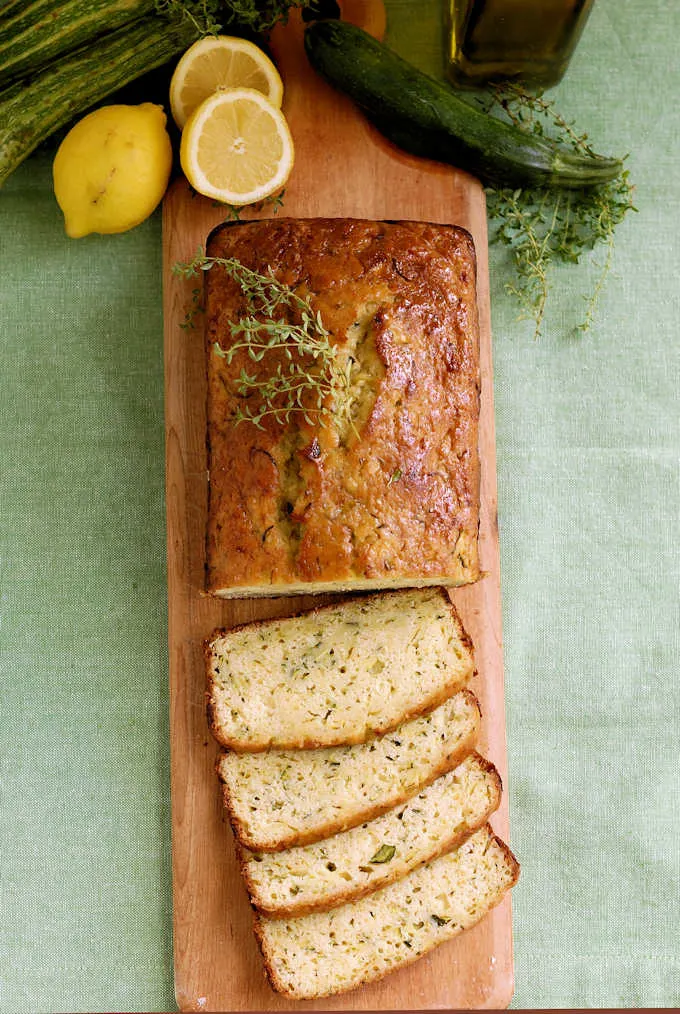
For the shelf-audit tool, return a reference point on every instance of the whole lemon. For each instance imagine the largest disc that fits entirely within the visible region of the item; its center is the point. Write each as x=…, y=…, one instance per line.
x=112, y=169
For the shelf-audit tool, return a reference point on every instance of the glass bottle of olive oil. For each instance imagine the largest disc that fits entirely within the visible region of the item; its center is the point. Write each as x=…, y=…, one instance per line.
x=531, y=40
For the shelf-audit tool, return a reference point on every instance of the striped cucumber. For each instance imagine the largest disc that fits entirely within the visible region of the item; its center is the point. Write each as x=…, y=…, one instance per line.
x=30, y=112
x=34, y=33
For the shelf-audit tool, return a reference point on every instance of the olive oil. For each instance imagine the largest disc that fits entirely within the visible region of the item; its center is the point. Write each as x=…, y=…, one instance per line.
x=530, y=40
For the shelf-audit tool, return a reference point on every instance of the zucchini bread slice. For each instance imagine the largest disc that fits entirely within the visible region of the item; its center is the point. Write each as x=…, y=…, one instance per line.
x=330, y=952
x=336, y=675
x=283, y=798
x=365, y=858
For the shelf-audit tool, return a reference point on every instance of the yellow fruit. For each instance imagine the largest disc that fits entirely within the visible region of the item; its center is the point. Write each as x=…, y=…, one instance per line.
x=112, y=169
x=218, y=62
x=236, y=147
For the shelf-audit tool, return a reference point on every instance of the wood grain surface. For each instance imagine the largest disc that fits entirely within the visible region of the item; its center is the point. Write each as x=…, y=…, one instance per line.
x=343, y=169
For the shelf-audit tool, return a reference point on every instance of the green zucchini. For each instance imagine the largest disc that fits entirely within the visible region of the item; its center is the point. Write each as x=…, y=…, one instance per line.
x=425, y=117
x=30, y=113
x=33, y=33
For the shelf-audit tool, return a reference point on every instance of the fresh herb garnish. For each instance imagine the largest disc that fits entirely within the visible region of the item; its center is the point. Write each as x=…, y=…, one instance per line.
x=260, y=15
x=209, y=17
x=202, y=14
x=234, y=211
x=544, y=227
x=308, y=377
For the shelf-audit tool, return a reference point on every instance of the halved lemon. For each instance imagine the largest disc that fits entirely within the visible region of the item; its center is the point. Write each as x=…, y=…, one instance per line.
x=218, y=62
x=236, y=147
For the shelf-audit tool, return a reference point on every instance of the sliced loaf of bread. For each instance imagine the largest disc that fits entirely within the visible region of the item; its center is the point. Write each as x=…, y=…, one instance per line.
x=336, y=675
x=283, y=798
x=330, y=952
x=356, y=862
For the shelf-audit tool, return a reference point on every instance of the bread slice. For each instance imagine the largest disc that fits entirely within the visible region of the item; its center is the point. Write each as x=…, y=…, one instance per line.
x=330, y=952
x=281, y=798
x=356, y=862
x=336, y=675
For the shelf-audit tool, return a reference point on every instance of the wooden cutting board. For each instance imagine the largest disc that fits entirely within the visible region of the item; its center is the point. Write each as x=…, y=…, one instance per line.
x=343, y=169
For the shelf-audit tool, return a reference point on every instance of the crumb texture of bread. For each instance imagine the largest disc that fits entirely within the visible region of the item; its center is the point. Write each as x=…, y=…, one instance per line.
x=386, y=498
x=365, y=858
x=282, y=798
x=336, y=675
x=331, y=952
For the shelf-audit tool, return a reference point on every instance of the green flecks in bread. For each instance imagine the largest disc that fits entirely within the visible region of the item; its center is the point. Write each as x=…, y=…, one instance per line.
x=281, y=798
x=336, y=675
x=330, y=952
x=366, y=857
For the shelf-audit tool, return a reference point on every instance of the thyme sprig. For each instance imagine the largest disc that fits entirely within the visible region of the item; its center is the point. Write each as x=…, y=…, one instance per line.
x=209, y=17
x=261, y=15
x=301, y=370
x=542, y=228
x=274, y=201
x=202, y=15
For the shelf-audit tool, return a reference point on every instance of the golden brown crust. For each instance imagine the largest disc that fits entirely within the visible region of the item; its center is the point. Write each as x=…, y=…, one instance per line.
x=308, y=506
x=280, y=987
x=511, y=860
x=340, y=897
x=453, y=759
x=442, y=694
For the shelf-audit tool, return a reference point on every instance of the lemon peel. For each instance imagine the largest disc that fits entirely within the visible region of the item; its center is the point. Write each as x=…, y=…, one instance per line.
x=237, y=147
x=219, y=62
x=112, y=169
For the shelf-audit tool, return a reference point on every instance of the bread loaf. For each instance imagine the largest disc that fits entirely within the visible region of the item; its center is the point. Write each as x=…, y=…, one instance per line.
x=336, y=675
x=323, y=953
x=388, y=497
x=365, y=858
x=282, y=798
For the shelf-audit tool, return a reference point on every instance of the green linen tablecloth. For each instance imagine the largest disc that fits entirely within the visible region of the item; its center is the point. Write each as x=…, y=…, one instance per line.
x=588, y=445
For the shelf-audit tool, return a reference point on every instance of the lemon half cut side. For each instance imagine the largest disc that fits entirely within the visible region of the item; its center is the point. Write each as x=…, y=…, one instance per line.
x=219, y=62
x=236, y=147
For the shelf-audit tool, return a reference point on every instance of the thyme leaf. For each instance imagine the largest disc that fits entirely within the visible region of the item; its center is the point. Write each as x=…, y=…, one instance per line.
x=296, y=369
x=201, y=15
x=234, y=211
x=542, y=227
x=209, y=17
x=260, y=15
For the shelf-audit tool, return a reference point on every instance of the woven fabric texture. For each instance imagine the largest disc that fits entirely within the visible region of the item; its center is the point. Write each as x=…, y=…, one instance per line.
x=588, y=445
